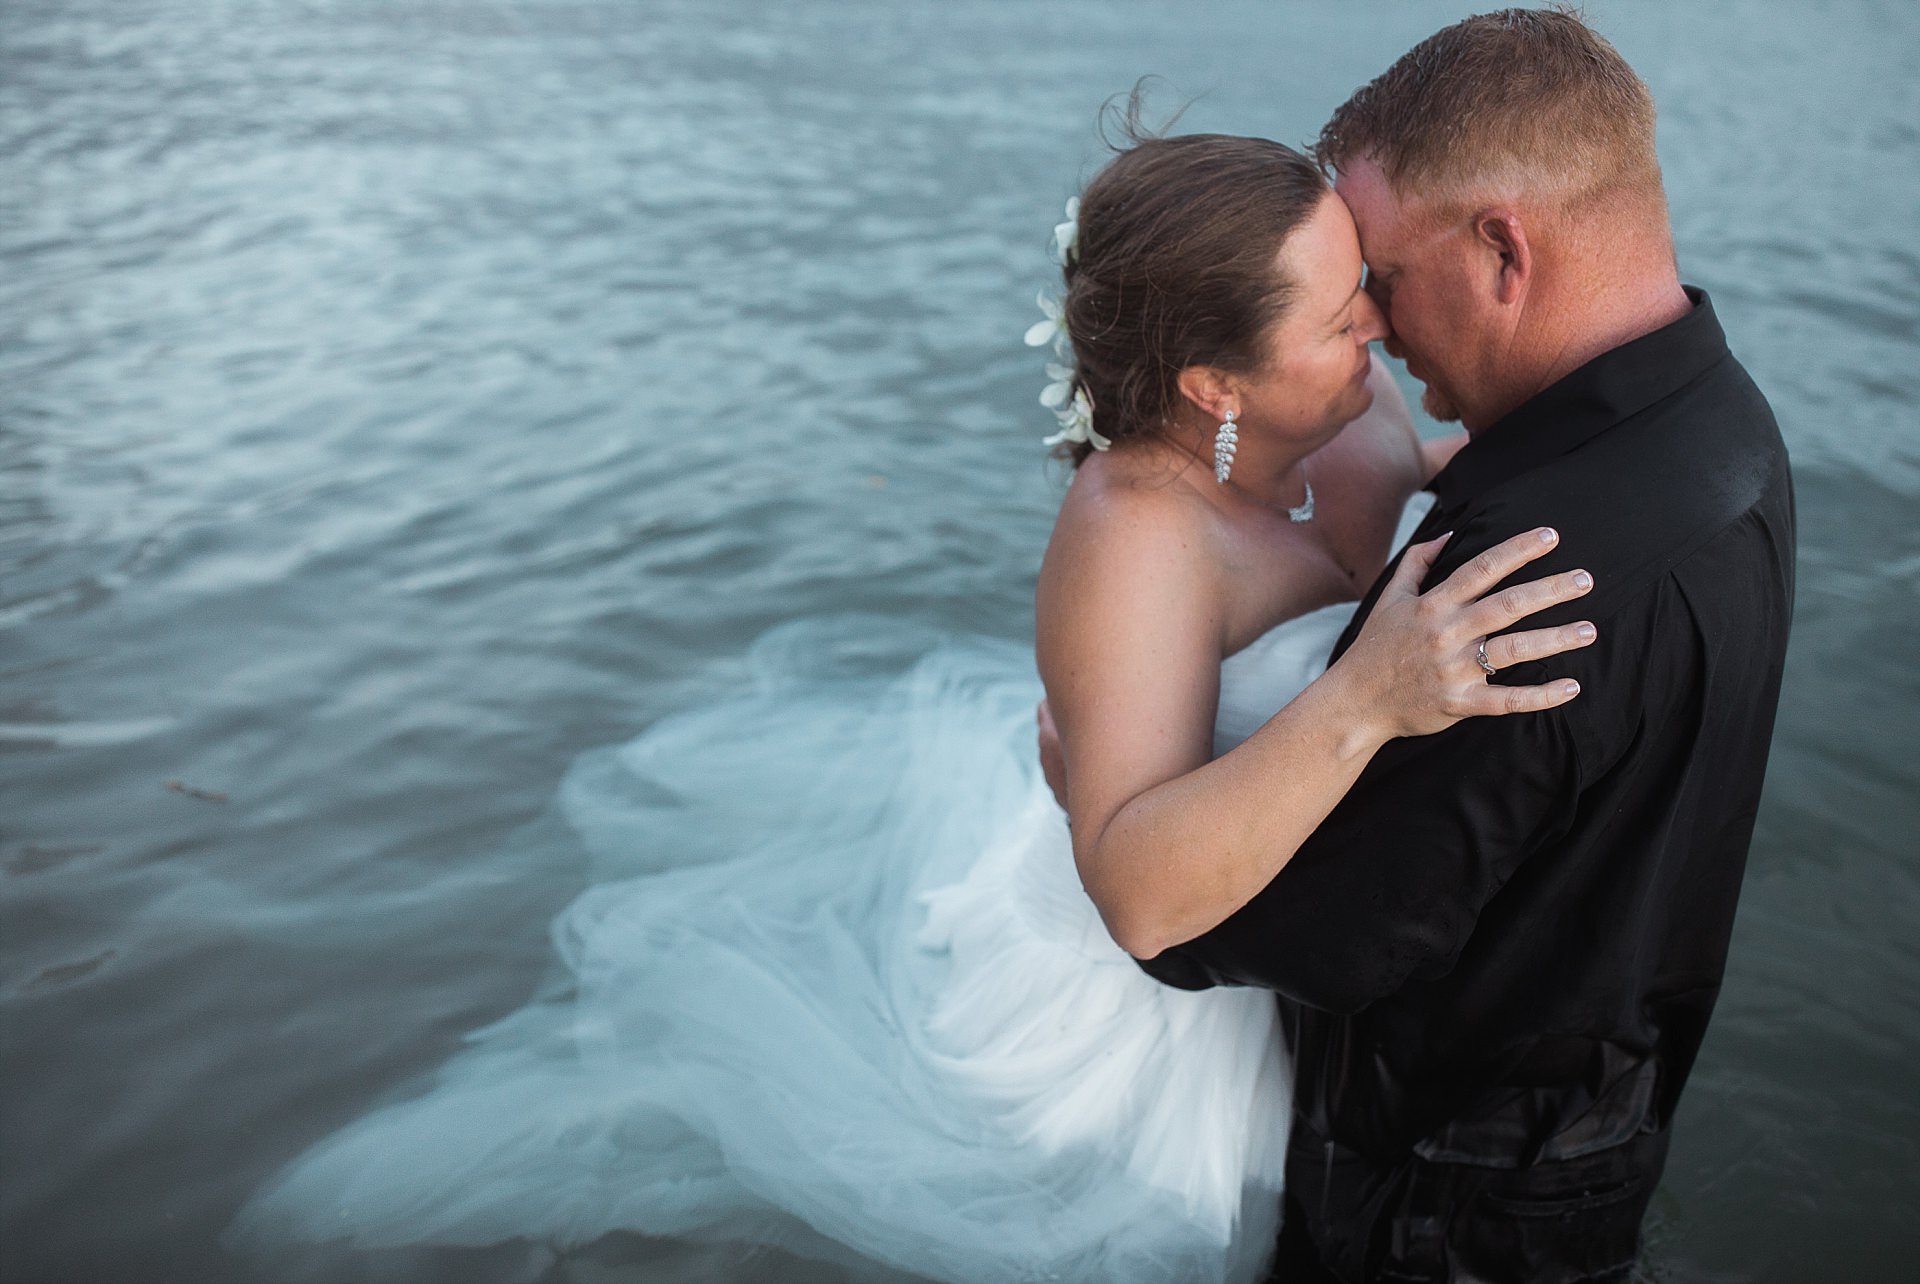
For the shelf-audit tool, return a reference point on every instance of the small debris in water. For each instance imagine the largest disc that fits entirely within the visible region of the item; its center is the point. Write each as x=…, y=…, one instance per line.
x=192, y=791
x=33, y=859
x=62, y=973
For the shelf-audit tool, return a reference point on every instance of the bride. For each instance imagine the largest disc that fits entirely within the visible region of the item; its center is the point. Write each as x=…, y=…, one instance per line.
x=847, y=982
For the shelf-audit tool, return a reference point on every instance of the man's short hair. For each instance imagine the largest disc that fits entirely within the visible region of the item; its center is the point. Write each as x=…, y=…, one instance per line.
x=1518, y=102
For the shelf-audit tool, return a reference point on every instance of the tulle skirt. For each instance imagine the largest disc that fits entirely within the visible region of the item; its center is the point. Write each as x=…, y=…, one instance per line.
x=836, y=988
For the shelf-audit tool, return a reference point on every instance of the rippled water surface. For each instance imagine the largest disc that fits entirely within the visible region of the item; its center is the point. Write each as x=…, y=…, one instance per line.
x=398, y=400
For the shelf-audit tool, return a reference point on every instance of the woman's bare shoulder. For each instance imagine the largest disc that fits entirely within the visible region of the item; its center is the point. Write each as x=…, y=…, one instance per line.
x=1131, y=532
x=1130, y=497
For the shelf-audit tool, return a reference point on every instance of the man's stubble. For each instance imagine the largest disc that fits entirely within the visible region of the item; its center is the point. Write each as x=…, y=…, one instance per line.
x=1435, y=403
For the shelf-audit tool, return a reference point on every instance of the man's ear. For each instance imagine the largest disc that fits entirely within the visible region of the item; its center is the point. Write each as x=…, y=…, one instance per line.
x=1208, y=390
x=1500, y=232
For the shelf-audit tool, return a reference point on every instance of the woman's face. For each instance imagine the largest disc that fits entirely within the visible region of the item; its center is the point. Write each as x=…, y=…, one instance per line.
x=1314, y=381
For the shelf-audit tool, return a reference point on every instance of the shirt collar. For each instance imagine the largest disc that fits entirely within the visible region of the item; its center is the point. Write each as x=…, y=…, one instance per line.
x=1612, y=387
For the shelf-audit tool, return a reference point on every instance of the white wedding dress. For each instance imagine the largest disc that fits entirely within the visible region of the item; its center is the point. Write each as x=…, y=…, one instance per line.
x=837, y=988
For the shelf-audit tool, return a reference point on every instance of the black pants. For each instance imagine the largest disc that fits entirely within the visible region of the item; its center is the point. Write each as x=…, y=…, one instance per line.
x=1297, y=1259
x=1575, y=1221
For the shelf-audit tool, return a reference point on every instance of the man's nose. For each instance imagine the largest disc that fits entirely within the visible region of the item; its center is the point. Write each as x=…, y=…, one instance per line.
x=1375, y=288
x=1372, y=321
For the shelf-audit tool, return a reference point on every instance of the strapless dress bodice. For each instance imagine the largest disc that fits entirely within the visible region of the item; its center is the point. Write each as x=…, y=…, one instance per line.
x=1261, y=677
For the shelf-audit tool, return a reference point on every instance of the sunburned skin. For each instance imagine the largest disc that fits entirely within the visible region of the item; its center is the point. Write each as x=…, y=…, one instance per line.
x=1273, y=568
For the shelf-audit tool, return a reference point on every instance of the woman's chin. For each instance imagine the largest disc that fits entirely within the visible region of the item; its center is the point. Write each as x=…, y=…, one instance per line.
x=1361, y=402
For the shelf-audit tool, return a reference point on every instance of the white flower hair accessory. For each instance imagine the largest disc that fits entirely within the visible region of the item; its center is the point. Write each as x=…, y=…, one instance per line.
x=1070, y=405
x=1066, y=236
x=1051, y=328
x=1076, y=423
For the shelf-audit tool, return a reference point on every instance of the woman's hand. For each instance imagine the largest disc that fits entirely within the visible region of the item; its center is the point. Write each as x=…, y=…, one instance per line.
x=1415, y=667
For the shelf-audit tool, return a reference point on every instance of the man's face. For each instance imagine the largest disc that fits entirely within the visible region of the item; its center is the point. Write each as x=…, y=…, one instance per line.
x=1420, y=275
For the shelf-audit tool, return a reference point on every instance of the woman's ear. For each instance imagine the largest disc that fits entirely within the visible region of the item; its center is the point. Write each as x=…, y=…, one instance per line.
x=1209, y=391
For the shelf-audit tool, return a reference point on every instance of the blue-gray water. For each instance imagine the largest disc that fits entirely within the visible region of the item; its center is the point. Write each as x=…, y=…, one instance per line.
x=399, y=399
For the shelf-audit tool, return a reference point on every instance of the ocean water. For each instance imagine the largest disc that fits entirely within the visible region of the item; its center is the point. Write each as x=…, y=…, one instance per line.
x=398, y=401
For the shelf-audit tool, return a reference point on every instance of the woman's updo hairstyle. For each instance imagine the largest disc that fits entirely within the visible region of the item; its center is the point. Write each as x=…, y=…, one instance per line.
x=1175, y=267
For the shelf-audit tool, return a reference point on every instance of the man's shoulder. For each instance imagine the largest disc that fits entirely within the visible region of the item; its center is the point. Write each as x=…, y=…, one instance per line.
x=1684, y=516
x=1637, y=500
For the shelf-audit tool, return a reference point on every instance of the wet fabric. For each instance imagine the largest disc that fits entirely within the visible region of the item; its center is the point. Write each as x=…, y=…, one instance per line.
x=1502, y=948
x=836, y=987
x=1422, y=1220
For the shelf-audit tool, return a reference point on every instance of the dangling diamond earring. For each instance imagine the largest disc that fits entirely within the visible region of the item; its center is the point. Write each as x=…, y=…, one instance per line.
x=1226, y=443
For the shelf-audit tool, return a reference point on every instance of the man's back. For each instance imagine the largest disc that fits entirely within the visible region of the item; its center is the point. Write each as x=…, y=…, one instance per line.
x=1498, y=955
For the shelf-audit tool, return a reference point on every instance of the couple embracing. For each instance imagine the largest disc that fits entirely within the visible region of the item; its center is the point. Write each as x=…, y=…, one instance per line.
x=1486, y=858
x=1495, y=940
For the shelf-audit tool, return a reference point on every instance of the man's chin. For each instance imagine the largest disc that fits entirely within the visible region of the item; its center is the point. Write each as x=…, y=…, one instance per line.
x=1435, y=403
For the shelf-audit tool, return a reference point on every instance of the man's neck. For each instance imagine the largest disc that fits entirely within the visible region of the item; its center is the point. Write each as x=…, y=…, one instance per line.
x=1600, y=321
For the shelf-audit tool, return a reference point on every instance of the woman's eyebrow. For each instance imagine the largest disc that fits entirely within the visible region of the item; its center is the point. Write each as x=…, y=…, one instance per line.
x=1357, y=287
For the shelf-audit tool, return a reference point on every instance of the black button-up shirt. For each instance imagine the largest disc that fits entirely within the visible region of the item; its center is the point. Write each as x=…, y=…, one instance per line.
x=1502, y=947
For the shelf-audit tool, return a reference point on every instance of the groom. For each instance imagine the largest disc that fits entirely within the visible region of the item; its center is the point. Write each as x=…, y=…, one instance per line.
x=1496, y=958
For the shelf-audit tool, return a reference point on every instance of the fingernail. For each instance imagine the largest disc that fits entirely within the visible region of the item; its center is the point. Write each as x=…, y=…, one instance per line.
x=1569, y=689
x=1585, y=632
x=1548, y=535
x=1582, y=581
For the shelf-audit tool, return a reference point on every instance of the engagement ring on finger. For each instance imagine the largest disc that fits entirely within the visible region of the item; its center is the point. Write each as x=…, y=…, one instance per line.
x=1480, y=654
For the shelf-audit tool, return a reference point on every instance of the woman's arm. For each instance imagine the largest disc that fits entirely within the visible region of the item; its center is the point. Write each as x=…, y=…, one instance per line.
x=1389, y=411
x=1131, y=635
x=1131, y=625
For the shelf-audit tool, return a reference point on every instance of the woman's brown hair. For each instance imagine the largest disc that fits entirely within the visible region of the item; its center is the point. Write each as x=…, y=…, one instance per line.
x=1177, y=266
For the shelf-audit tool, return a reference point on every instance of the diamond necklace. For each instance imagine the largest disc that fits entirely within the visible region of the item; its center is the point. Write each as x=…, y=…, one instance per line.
x=1303, y=513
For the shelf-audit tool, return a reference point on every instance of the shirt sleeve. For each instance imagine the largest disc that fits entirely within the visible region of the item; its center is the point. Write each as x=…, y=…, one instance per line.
x=1391, y=884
